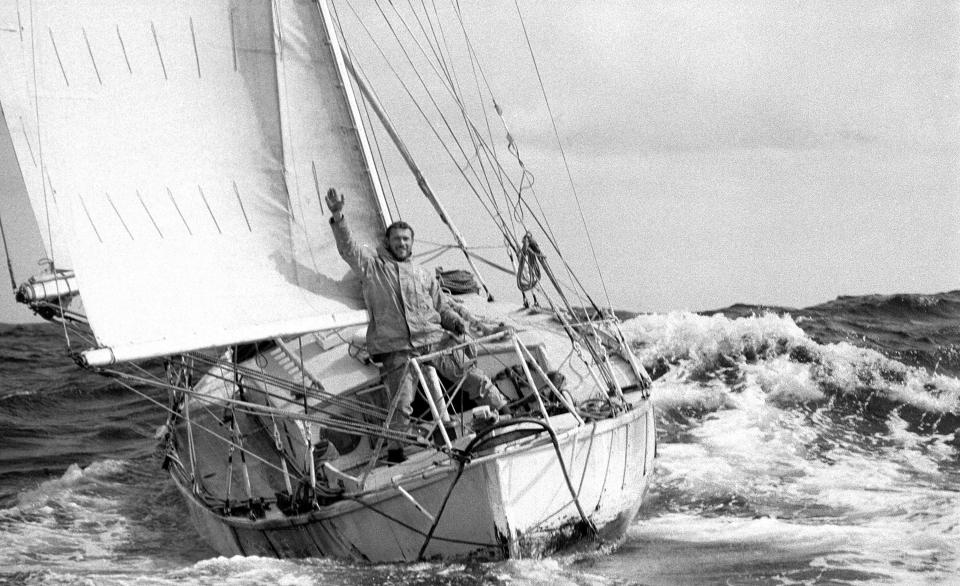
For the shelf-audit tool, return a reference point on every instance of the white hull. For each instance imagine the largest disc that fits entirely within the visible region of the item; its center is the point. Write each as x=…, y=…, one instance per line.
x=513, y=502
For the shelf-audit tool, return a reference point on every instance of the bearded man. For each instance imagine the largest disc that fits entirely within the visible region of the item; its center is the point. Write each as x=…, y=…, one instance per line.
x=409, y=316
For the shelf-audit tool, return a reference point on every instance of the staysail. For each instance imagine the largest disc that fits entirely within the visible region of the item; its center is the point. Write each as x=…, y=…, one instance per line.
x=181, y=153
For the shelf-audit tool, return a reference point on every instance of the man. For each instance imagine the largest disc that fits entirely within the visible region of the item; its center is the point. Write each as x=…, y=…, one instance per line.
x=408, y=316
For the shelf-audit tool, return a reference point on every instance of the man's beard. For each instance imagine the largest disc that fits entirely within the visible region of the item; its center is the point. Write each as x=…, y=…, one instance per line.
x=399, y=257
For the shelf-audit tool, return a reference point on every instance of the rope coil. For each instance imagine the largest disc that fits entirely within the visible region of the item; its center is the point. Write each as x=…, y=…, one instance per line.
x=528, y=271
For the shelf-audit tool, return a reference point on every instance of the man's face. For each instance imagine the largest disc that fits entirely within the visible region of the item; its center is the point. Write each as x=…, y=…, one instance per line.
x=400, y=243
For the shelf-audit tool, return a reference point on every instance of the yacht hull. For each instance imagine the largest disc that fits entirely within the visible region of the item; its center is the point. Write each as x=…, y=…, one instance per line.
x=513, y=501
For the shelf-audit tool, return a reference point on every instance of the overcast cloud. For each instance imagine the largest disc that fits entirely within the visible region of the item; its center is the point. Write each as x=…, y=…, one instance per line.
x=776, y=152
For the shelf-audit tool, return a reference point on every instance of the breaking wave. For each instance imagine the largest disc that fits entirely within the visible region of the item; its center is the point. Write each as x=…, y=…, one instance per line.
x=790, y=367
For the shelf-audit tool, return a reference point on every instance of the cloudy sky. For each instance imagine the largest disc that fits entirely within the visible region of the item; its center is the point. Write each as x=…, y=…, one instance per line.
x=779, y=152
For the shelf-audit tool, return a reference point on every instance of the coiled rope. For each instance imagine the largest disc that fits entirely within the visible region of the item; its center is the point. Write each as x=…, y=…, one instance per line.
x=528, y=271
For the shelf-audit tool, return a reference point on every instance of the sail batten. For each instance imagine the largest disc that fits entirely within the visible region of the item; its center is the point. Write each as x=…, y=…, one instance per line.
x=180, y=151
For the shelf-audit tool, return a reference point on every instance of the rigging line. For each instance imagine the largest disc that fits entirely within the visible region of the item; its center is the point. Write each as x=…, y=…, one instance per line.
x=6, y=252
x=525, y=173
x=544, y=225
x=441, y=38
x=369, y=125
x=448, y=79
x=44, y=177
x=477, y=66
x=483, y=168
x=431, y=37
x=413, y=66
x=458, y=95
x=353, y=424
x=563, y=155
x=36, y=105
x=432, y=249
x=601, y=364
x=292, y=387
x=488, y=153
x=324, y=397
x=500, y=226
x=556, y=249
x=511, y=237
x=451, y=84
x=493, y=264
x=343, y=423
x=474, y=66
x=383, y=164
x=428, y=259
x=257, y=409
x=170, y=411
x=472, y=130
x=440, y=250
x=430, y=95
x=518, y=189
x=491, y=247
x=452, y=81
x=339, y=424
x=566, y=265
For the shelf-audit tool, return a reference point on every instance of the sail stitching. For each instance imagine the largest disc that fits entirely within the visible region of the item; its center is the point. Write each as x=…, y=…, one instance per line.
x=89, y=218
x=207, y=204
x=116, y=211
x=57, y=52
x=90, y=52
x=149, y=215
x=196, y=53
x=243, y=210
x=174, y=201
x=156, y=42
x=123, y=48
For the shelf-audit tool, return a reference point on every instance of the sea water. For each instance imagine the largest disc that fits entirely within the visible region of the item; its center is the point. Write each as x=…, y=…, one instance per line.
x=795, y=447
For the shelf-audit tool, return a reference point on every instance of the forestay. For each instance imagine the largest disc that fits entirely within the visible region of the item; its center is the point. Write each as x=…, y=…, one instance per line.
x=183, y=149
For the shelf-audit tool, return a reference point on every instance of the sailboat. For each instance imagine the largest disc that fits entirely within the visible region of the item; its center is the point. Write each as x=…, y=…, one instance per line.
x=175, y=155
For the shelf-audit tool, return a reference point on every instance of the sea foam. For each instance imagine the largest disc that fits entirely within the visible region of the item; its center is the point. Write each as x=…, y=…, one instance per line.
x=789, y=365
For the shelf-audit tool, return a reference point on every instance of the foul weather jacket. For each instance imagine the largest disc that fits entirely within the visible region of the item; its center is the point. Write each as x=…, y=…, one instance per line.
x=407, y=308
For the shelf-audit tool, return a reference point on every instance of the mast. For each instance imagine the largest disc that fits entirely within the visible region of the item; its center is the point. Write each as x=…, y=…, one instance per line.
x=415, y=169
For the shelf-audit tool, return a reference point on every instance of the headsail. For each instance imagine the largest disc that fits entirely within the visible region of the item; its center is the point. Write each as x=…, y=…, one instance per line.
x=185, y=151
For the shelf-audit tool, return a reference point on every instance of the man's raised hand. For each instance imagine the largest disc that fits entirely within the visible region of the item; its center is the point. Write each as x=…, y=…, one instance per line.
x=335, y=203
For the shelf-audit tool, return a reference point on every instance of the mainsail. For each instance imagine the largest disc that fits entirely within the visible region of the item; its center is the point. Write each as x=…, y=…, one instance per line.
x=181, y=154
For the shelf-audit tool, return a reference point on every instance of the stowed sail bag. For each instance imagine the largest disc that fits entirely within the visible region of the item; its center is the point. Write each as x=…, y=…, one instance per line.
x=457, y=281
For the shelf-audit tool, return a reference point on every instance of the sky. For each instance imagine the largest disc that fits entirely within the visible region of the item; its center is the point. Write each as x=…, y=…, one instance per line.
x=779, y=153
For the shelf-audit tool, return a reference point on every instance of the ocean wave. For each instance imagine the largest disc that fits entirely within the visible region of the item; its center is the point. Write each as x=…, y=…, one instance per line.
x=74, y=476
x=897, y=306
x=731, y=550
x=791, y=368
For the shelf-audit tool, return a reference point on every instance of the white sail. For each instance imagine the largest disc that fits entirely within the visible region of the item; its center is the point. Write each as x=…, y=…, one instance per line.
x=186, y=148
